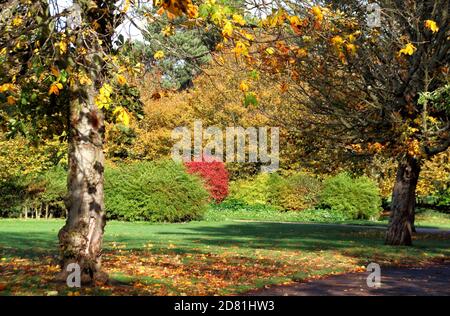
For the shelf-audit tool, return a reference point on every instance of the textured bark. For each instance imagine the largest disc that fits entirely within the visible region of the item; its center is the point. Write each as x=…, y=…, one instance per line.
x=81, y=237
x=401, y=222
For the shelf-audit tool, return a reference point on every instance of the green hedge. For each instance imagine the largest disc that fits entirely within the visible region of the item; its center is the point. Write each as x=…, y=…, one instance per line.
x=154, y=191
x=295, y=192
x=147, y=191
x=355, y=198
x=341, y=196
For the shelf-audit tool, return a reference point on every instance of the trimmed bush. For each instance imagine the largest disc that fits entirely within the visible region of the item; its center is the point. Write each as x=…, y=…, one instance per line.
x=214, y=175
x=355, y=198
x=296, y=192
x=154, y=191
x=260, y=190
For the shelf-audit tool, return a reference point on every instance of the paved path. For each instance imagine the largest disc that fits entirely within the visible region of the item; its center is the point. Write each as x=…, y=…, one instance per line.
x=432, y=280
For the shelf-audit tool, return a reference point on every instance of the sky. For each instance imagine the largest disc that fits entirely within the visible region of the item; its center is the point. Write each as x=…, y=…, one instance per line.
x=127, y=29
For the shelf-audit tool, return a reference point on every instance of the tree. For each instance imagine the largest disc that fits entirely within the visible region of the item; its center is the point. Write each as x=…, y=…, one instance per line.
x=364, y=86
x=189, y=50
x=64, y=86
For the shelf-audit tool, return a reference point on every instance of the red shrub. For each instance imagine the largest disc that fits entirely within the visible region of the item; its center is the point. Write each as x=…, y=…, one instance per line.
x=215, y=177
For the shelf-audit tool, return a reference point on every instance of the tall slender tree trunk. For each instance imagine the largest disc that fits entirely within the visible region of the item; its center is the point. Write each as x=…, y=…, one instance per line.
x=81, y=237
x=403, y=205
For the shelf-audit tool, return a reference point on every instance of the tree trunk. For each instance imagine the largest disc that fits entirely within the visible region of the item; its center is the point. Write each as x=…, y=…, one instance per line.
x=401, y=222
x=81, y=237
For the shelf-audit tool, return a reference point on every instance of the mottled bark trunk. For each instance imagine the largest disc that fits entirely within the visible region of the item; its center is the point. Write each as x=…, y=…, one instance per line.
x=81, y=237
x=403, y=205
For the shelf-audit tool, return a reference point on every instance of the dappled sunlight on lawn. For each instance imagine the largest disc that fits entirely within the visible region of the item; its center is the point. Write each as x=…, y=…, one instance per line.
x=204, y=258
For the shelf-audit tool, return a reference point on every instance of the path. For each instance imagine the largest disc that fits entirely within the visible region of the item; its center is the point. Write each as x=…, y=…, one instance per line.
x=432, y=280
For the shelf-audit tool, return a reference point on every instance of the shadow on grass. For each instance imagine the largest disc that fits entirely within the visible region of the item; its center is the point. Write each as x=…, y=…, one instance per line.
x=27, y=245
x=360, y=242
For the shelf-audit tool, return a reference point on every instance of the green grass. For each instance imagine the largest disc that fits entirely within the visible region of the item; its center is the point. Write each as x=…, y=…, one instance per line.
x=205, y=257
x=424, y=218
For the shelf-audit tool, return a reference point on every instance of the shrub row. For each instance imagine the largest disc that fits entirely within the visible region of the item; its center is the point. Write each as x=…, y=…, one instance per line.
x=154, y=191
x=149, y=191
x=352, y=198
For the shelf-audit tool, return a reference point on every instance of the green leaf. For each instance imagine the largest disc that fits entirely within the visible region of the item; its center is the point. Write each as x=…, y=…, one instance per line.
x=250, y=99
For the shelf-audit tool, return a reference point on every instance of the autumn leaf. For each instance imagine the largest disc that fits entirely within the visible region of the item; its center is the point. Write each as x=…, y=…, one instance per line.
x=337, y=41
x=227, y=30
x=168, y=30
x=11, y=100
x=62, y=46
x=17, y=21
x=431, y=25
x=84, y=79
x=238, y=19
x=317, y=13
x=244, y=86
x=241, y=48
x=122, y=116
x=351, y=49
x=103, y=99
x=121, y=80
x=270, y=50
x=159, y=55
x=409, y=49
x=301, y=52
x=54, y=88
x=7, y=87
x=55, y=71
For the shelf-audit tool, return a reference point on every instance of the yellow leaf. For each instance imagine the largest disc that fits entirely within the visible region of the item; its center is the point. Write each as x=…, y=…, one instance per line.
x=244, y=86
x=121, y=80
x=159, y=54
x=54, y=88
x=270, y=50
x=238, y=19
x=192, y=11
x=337, y=41
x=409, y=49
x=432, y=26
x=7, y=87
x=227, y=30
x=126, y=6
x=317, y=13
x=241, y=48
x=103, y=99
x=294, y=20
x=168, y=30
x=17, y=21
x=84, y=79
x=301, y=52
x=351, y=49
x=122, y=116
x=62, y=45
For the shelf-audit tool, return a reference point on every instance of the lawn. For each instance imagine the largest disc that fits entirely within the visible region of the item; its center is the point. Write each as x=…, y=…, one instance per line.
x=203, y=258
x=424, y=217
